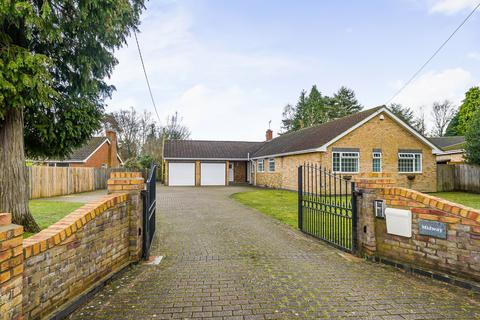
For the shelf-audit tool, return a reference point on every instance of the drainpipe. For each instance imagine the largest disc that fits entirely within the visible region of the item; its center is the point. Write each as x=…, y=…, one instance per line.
x=248, y=164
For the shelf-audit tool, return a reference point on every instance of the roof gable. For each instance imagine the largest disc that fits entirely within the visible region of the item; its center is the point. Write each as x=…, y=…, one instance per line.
x=311, y=138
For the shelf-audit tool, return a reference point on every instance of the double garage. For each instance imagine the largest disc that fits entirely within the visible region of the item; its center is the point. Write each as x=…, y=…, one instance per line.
x=185, y=173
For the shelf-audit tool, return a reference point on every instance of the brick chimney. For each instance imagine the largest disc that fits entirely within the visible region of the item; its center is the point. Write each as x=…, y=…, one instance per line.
x=112, y=151
x=269, y=135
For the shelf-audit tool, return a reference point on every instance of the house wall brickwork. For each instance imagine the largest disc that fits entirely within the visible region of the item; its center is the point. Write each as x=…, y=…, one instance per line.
x=43, y=274
x=286, y=174
x=389, y=136
x=457, y=255
x=102, y=157
x=385, y=134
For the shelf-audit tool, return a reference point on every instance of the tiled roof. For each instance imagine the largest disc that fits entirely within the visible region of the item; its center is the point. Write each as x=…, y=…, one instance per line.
x=312, y=137
x=202, y=149
x=446, y=142
x=83, y=152
x=302, y=140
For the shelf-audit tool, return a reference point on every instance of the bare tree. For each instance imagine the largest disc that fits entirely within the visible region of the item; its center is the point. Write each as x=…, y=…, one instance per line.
x=127, y=124
x=175, y=130
x=442, y=114
x=419, y=123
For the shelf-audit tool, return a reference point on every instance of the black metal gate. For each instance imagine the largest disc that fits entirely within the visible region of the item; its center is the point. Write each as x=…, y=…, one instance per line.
x=327, y=206
x=149, y=206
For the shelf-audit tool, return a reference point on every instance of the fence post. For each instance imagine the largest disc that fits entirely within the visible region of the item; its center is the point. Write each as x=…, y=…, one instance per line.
x=354, y=217
x=300, y=197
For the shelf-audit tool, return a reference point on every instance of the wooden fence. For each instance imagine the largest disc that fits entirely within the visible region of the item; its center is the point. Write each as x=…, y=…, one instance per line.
x=458, y=177
x=57, y=181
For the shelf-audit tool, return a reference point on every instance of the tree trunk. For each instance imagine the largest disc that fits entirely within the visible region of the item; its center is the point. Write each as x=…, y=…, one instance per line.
x=13, y=173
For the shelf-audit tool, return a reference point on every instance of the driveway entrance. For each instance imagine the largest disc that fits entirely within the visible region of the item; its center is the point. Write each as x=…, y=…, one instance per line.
x=226, y=261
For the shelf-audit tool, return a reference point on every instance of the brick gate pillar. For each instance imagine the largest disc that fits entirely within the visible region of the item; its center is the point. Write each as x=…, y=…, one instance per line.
x=133, y=184
x=369, y=185
x=11, y=268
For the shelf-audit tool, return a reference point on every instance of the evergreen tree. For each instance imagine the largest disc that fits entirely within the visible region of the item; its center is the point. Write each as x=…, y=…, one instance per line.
x=452, y=128
x=344, y=103
x=472, y=138
x=288, y=116
x=468, y=109
x=404, y=113
x=54, y=58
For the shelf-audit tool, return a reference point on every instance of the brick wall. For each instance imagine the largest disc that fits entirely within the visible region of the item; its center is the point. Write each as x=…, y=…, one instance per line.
x=11, y=268
x=457, y=255
x=102, y=157
x=286, y=174
x=71, y=256
x=388, y=136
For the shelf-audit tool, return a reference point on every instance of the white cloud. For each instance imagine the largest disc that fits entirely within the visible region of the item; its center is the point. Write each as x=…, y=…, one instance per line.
x=217, y=90
x=221, y=113
x=448, y=84
x=474, y=55
x=451, y=6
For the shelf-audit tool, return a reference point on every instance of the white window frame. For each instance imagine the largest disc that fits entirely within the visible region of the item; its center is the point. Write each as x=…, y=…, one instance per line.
x=270, y=161
x=377, y=155
x=261, y=161
x=411, y=155
x=341, y=154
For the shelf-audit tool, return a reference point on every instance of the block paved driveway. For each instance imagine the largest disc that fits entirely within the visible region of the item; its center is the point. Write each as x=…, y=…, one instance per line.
x=226, y=261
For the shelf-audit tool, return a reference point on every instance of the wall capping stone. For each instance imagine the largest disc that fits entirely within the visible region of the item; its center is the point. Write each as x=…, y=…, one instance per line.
x=453, y=256
x=455, y=209
x=70, y=224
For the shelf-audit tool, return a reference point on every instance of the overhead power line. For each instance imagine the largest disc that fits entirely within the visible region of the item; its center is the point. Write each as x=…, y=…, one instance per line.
x=146, y=76
x=434, y=54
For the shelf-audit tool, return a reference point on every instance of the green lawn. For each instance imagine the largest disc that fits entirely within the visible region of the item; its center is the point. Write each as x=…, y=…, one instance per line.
x=465, y=198
x=47, y=213
x=320, y=220
x=279, y=204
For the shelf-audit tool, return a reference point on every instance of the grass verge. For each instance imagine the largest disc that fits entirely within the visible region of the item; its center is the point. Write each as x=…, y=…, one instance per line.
x=279, y=204
x=467, y=199
x=47, y=213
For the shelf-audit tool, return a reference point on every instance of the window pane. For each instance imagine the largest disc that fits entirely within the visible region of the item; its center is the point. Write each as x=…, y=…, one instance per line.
x=336, y=161
x=377, y=165
x=405, y=163
x=418, y=162
x=349, y=164
x=271, y=165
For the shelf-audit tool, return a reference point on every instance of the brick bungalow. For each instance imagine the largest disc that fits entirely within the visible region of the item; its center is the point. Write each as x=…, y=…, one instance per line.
x=374, y=140
x=98, y=152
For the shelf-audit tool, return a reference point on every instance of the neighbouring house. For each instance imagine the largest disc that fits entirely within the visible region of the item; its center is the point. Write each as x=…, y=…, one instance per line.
x=453, y=149
x=98, y=152
x=374, y=140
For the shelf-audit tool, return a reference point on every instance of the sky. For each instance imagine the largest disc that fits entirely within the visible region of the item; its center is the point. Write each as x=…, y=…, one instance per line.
x=229, y=67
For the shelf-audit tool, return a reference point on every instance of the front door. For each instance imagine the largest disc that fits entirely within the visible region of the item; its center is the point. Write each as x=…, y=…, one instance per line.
x=230, y=172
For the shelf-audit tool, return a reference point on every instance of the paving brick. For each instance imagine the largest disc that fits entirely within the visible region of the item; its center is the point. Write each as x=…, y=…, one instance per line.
x=223, y=260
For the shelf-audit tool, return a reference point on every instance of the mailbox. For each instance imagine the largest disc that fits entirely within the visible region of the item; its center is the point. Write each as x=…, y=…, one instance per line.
x=399, y=222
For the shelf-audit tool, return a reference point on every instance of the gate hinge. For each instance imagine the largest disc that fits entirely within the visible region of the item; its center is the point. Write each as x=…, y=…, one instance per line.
x=358, y=193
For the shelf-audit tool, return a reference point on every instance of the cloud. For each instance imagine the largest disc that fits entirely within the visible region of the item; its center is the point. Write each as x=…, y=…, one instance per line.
x=216, y=89
x=450, y=7
x=433, y=86
x=220, y=112
x=474, y=55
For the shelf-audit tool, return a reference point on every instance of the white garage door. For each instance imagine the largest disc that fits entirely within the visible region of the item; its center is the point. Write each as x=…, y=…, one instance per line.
x=212, y=174
x=181, y=174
